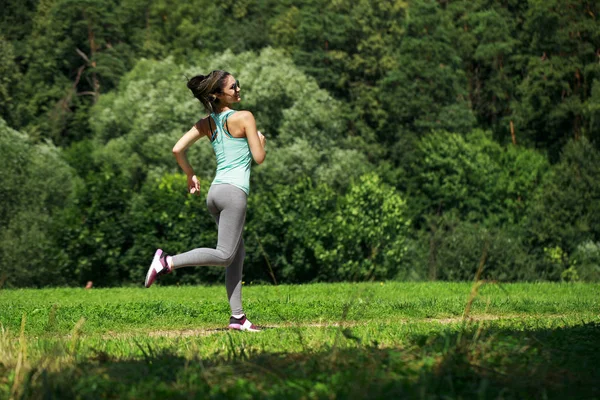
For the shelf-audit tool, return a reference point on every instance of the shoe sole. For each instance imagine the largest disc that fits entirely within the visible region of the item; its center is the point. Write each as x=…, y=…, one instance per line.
x=238, y=327
x=150, y=277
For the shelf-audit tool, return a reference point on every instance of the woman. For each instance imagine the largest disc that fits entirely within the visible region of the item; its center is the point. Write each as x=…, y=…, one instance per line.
x=235, y=141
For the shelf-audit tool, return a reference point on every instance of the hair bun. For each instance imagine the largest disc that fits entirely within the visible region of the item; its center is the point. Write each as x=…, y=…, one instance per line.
x=205, y=88
x=194, y=81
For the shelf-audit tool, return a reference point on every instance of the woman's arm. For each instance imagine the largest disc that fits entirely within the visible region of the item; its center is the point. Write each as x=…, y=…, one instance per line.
x=180, y=148
x=256, y=141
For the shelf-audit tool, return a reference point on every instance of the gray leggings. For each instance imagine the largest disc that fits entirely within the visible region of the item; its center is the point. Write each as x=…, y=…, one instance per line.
x=227, y=204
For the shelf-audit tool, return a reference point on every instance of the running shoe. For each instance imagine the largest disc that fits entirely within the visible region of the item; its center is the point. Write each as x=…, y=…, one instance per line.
x=158, y=267
x=242, y=324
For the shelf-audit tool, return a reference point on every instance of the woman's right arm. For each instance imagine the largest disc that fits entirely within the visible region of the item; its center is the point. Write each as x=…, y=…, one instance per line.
x=256, y=141
x=179, y=151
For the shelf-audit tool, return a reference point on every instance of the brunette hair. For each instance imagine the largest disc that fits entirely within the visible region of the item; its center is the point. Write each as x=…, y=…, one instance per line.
x=204, y=88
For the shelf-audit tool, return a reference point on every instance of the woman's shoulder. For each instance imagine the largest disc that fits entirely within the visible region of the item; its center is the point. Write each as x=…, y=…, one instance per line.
x=242, y=115
x=204, y=125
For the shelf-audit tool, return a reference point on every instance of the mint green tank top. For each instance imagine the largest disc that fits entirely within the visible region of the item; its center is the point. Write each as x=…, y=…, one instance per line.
x=233, y=154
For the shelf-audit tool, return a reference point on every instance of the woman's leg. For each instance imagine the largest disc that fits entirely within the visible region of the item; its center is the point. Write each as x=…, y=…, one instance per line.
x=233, y=280
x=228, y=204
x=233, y=277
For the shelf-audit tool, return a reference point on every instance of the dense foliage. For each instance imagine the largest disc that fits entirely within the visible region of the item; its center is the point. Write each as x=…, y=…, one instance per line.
x=406, y=139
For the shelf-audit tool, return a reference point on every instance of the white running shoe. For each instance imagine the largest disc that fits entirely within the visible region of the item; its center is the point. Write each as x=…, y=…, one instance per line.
x=158, y=267
x=242, y=324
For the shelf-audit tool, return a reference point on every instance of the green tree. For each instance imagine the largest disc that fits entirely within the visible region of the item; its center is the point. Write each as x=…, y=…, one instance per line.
x=89, y=55
x=472, y=176
x=96, y=230
x=348, y=46
x=560, y=66
x=367, y=233
x=36, y=185
x=468, y=195
x=9, y=79
x=427, y=89
x=591, y=113
x=17, y=18
x=484, y=36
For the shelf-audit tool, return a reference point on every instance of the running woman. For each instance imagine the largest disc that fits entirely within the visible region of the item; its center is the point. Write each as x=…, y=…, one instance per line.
x=236, y=141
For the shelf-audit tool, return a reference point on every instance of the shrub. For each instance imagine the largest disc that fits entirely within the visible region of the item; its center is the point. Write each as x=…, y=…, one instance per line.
x=565, y=211
x=310, y=234
x=586, y=260
x=452, y=249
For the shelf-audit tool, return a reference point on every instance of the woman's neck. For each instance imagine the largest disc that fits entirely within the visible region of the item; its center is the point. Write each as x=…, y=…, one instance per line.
x=219, y=110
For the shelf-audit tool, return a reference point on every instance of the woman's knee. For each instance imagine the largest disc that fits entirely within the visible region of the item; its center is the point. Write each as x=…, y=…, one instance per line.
x=228, y=254
x=228, y=258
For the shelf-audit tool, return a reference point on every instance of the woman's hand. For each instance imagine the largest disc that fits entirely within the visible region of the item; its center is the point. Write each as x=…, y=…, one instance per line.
x=193, y=184
x=262, y=138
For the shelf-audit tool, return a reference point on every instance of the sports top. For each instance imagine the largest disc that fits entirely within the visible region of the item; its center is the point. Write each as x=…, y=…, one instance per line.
x=233, y=154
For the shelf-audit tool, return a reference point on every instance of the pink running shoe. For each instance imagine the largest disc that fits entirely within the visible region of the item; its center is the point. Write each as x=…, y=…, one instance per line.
x=242, y=324
x=158, y=267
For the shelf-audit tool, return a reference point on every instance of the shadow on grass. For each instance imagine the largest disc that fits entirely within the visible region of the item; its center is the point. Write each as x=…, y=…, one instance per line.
x=483, y=363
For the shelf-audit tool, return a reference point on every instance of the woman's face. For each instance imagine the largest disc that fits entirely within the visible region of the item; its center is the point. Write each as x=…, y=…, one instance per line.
x=231, y=91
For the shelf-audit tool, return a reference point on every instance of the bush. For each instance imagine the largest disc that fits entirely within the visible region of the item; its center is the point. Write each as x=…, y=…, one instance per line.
x=471, y=176
x=586, y=261
x=565, y=211
x=309, y=233
x=452, y=250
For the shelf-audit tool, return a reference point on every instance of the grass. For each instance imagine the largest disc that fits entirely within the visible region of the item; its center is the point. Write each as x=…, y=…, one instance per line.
x=368, y=340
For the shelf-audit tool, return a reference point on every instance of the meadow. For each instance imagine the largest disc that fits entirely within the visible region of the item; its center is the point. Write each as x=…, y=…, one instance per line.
x=345, y=340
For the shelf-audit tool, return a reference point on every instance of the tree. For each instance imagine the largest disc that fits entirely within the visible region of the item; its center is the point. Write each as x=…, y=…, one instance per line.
x=427, y=89
x=36, y=185
x=484, y=36
x=560, y=66
x=348, y=46
x=591, y=114
x=9, y=78
x=471, y=176
x=89, y=54
x=468, y=195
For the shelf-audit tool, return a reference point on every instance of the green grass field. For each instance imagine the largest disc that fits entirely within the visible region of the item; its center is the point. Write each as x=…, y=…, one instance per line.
x=368, y=340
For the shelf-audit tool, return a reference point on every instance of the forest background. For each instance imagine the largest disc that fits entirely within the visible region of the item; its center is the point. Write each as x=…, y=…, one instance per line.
x=409, y=140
